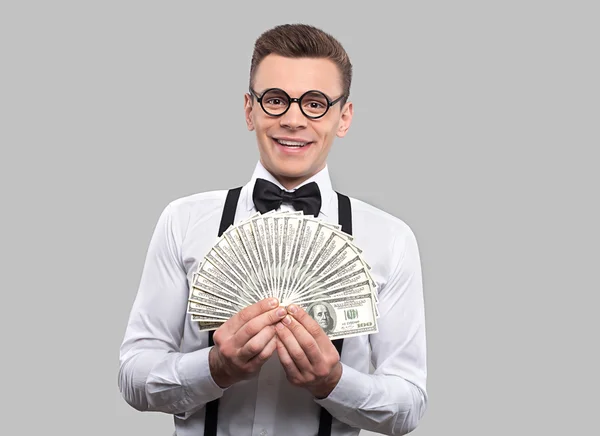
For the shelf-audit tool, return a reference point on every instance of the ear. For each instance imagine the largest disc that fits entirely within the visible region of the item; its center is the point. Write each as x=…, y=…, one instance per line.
x=345, y=119
x=248, y=111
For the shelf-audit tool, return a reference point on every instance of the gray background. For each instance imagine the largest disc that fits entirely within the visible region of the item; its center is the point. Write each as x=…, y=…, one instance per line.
x=475, y=122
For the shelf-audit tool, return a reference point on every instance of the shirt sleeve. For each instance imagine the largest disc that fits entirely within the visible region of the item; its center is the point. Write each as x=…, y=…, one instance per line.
x=154, y=375
x=393, y=399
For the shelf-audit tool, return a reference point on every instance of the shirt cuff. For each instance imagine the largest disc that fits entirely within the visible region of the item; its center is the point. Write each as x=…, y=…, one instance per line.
x=194, y=371
x=349, y=394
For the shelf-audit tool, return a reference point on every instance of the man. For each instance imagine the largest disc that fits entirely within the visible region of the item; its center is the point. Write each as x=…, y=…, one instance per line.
x=272, y=370
x=322, y=314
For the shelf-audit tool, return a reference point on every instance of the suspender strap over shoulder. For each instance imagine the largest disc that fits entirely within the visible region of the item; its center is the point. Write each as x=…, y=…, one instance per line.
x=345, y=220
x=228, y=216
x=345, y=213
x=227, y=219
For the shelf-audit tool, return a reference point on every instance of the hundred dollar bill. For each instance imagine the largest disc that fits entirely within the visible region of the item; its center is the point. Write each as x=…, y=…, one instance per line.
x=270, y=252
x=305, y=236
x=235, y=242
x=204, y=326
x=203, y=318
x=279, y=225
x=290, y=231
x=259, y=233
x=207, y=312
x=344, y=317
x=293, y=260
x=249, y=244
x=346, y=288
x=352, y=278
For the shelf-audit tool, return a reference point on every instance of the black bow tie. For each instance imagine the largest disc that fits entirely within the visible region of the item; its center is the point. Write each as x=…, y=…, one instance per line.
x=268, y=196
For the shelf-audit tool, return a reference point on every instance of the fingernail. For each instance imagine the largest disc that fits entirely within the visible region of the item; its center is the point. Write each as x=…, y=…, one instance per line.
x=279, y=326
x=287, y=320
x=293, y=308
x=273, y=302
x=281, y=312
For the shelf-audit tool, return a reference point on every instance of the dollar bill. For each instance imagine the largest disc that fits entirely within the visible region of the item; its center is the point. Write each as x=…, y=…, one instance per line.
x=235, y=242
x=248, y=242
x=280, y=224
x=208, y=313
x=347, y=290
x=204, y=326
x=290, y=232
x=344, y=317
x=271, y=249
x=305, y=236
x=294, y=252
x=259, y=234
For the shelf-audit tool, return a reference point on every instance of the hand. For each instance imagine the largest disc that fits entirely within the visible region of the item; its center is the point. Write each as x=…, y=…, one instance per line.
x=308, y=356
x=245, y=342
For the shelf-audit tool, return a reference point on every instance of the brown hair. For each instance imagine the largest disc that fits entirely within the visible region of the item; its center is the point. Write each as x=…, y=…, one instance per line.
x=302, y=40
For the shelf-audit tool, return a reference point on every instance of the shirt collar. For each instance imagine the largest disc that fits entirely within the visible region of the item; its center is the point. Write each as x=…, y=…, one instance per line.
x=321, y=178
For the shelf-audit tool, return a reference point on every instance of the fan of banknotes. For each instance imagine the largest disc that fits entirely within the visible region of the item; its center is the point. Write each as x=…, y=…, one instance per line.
x=294, y=257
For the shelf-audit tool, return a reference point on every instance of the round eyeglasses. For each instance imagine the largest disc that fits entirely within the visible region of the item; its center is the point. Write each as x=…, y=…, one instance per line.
x=276, y=102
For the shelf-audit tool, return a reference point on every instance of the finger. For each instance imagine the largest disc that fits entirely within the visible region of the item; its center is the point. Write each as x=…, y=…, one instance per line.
x=291, y=370
x=290, y=342
x=312, y=327
x=256, y=344
x=265, y=354
x=248, y=313
x=255, y=325
x=308, y=337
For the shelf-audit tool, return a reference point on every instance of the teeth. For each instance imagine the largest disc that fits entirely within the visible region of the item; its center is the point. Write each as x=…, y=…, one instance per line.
x=291, y=143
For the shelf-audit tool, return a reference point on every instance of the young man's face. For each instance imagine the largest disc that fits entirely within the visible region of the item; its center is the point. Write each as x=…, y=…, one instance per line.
x=291, y=165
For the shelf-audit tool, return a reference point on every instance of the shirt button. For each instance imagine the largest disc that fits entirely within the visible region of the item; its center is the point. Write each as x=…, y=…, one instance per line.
x=264, y=433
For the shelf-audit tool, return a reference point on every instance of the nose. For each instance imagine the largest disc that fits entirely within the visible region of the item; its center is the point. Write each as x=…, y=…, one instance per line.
x=293, y=118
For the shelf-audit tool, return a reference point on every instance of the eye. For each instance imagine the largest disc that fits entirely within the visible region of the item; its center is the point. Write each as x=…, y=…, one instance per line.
x=275, y=102
x=314, y=104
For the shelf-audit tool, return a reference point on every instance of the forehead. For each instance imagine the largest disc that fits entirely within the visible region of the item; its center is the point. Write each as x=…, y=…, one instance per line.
x=319, y=307
x=298, y=75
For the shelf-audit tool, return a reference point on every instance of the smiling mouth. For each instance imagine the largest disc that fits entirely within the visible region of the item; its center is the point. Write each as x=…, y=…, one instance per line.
x=292, y=144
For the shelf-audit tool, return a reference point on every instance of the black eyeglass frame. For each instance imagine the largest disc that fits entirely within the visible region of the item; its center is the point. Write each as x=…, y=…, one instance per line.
x=291, y=100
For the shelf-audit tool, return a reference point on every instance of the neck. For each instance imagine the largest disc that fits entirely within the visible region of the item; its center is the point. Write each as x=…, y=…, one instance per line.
x=288, y=182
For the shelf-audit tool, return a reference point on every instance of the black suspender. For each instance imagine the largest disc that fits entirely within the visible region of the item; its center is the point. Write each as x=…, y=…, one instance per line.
x=212, y=408
x=345, y=220
x=227, y=219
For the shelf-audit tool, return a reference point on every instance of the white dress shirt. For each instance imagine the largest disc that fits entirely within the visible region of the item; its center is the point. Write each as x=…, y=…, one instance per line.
x=164, y=356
